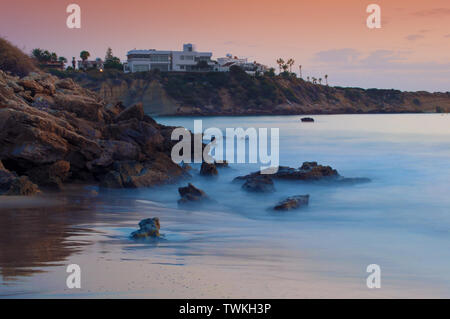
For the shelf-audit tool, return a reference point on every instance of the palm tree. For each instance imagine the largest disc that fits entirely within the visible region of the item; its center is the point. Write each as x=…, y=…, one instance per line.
x=84, y=55
x=290, y=63
x=320, y=81
x=326, y=78
x=280, y=63
x=300, y=69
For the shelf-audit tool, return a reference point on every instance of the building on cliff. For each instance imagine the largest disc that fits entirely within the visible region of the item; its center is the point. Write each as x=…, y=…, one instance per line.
x=188, y=60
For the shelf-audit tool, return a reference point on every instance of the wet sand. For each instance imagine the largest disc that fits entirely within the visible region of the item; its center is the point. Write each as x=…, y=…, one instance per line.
x=204, y=255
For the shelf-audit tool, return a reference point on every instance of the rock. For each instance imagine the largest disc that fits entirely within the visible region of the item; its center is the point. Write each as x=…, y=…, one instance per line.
x=6, y=178
x=309, y=171
x=307, y=119
x=191, y=194
x=221, y=164
x=52, y=175
x=293, y=202
x=148, y=228
x=208, y=169
x=133, y=112
x=31, y=85
x=22, y=186
x=46, y=121
x=259, y=184
x=67, y=84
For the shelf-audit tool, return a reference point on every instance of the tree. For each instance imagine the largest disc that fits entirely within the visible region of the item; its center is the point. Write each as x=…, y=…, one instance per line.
x=326, y=78
x=280, y=63
x=307, y=78
x=109, y=54
x=111, y=61
x=37, y=54
x=53, y=57
x=320, y=81
x=270, y=72
x=300, y=69
x=84, y=55
x=62, y=59
x=290, y=63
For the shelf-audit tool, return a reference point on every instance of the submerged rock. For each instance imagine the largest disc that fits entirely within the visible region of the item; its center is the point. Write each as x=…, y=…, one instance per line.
x=148, y=228
x=293, y=202
x=208, y=169
x=191, y=193
x=259, y=184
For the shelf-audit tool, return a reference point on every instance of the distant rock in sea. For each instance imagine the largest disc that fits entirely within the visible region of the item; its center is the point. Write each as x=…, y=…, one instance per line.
x=293, y=202
x=307, y=119
x=191, y=194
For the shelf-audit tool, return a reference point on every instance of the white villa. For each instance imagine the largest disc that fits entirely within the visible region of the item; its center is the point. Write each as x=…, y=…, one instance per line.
x=188, y=60
x=181, y=61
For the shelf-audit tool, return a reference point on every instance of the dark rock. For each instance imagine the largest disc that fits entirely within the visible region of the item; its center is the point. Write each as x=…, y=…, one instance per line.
x=148, y=228
x=6, y=178
x=293, y=202
x=133, y=112
x=22, y=186
x=221, y=164
x=259, y=184
x=191, y=193
x=208, y=169
x=307, y=119
x=52, y=175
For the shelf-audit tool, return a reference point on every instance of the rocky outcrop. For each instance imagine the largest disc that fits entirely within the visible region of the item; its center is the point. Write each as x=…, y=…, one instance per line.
x=307, y=120
x=293, y=202
x=191, y=194
x=309, y=171
x=148, y=228
x=208, y=169
x=55, y=132
x=22, y=186
x=259, y=184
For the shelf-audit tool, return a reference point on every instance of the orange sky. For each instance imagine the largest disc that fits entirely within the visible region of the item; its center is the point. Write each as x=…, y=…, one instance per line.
x=410, y=51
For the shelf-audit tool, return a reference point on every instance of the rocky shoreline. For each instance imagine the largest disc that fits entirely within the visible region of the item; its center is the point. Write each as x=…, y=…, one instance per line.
x=52, y=132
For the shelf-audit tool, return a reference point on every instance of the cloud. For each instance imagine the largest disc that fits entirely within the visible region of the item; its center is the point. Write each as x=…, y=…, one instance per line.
x=341, y=56
x=436, y=12
x=414, y=37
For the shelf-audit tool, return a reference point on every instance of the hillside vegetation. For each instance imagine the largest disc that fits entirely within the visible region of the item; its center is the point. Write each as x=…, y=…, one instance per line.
x=236, y=93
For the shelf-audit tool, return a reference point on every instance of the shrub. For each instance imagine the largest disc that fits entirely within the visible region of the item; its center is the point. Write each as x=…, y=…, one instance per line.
x=12, y=59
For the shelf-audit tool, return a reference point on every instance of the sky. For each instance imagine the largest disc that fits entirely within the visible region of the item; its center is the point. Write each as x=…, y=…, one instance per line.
x=411, y=50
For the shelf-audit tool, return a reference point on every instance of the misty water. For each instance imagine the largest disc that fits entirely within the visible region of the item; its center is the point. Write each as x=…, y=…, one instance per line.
x=400, y=220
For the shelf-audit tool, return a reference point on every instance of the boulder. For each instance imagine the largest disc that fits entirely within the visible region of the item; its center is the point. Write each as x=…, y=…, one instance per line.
x=259, y=184
x=208, y=169
x=221, y=164
x=22, y=186
x=148, y=228
x=191, y=193
x=52, y=175
x=293, y=202
x=133, y=112
x=6, y=178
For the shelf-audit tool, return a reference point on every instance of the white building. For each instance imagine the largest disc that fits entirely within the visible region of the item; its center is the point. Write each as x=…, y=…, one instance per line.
x=252, y=68
x=187, y=60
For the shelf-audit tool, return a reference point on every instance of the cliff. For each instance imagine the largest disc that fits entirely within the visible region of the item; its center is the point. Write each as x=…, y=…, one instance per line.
x=236, y=93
